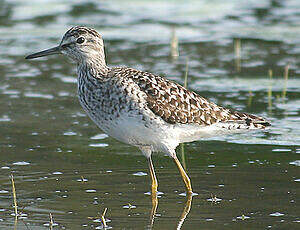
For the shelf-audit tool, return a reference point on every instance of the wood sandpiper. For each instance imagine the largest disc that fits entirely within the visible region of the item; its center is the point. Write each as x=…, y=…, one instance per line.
x=143, y=109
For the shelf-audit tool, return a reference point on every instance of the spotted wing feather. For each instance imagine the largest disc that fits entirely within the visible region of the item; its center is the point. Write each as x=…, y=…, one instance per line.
x=177, y=105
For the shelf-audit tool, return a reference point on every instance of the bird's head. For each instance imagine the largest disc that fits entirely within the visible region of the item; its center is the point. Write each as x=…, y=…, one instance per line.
x=78, y=43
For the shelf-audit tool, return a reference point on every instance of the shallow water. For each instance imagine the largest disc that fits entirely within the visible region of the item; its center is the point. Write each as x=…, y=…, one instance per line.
x=64, y=165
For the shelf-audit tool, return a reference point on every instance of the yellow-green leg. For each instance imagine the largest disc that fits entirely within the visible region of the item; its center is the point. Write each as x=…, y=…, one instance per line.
x=154, y=183
x=184, y=176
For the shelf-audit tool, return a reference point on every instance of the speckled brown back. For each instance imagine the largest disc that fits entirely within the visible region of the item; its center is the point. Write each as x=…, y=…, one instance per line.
x=175, y=104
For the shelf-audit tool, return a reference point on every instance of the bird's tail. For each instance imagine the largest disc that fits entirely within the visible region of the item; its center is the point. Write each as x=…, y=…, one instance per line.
x=250, y=121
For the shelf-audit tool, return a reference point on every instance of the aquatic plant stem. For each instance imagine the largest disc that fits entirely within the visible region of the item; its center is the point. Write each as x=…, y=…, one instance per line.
x=270, y=90
x=14, y=195
x=286, y=77
x=237, y=53
x=103, y=218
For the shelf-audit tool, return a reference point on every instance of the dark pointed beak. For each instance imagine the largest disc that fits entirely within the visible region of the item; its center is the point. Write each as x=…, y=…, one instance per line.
x=54, y=50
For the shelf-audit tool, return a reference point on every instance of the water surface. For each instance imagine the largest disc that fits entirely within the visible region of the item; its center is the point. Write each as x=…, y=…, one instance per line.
x=64, y=165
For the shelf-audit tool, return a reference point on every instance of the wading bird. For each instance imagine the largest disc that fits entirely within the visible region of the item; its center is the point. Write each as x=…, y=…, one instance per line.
x=143, y=109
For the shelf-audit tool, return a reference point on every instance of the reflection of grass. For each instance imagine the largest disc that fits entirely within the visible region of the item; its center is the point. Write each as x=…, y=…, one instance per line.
x=270, y=91
x=174, y=44
x=286, y=77
x=186, y=72
x=279, y=97
x=250, y=98
x=237, y=54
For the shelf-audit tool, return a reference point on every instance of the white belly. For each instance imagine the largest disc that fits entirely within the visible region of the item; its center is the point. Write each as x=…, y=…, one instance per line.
x=131, y=129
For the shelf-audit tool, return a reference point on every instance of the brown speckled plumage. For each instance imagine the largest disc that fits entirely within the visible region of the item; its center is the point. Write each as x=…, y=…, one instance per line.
x=175, y=104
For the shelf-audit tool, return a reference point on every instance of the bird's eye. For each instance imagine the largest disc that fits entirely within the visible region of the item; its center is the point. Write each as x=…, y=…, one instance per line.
x=80, y=40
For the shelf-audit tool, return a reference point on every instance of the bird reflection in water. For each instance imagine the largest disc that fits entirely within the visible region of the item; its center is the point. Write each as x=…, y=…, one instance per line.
x=184, y=214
